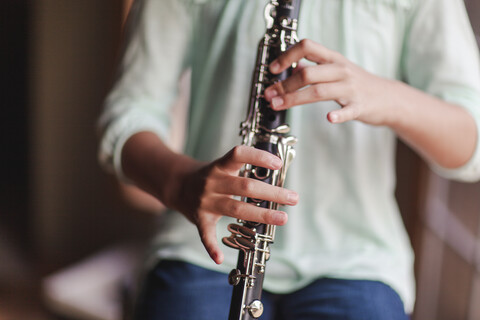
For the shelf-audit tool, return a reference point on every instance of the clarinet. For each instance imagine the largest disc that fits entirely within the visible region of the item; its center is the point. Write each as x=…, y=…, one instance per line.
x=264, y=129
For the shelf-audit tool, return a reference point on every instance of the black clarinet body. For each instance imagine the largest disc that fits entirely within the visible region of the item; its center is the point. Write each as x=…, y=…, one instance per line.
x=267, y=130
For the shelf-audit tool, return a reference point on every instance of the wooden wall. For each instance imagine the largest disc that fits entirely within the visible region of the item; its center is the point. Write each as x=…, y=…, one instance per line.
x=447, y=240
x=76, y=206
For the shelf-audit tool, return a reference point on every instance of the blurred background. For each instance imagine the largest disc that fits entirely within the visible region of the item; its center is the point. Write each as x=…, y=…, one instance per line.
x=71, y=237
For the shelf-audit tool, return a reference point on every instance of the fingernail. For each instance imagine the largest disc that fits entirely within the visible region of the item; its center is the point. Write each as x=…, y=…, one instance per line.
x=274, y=66
x=333, y=117
x=278, y=217
x=218, y=258
x=277, y=102
x=270, y=94
x=276, y=162
x=292, y=197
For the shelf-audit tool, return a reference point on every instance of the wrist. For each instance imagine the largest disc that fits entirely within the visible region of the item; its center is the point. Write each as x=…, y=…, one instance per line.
x=396, y=104
x=153, y=167
x=175, y=178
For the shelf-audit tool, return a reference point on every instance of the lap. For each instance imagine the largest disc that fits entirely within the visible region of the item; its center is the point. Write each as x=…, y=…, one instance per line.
x=335, y=299
x=178, y=290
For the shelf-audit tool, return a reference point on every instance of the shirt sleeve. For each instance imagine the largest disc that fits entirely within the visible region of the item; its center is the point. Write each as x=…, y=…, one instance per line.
x=441, y=58
x=155, y=54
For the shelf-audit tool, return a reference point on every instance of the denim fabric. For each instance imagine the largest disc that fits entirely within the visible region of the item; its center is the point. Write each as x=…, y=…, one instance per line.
x=178, y=290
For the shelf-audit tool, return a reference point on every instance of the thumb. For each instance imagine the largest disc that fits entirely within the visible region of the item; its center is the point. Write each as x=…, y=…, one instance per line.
x=208, y=235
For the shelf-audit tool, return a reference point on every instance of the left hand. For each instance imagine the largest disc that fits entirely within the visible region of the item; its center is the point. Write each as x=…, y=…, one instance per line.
x=362, y=95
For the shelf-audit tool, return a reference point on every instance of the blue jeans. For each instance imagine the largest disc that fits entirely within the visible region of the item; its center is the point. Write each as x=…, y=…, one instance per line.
x=178, y=290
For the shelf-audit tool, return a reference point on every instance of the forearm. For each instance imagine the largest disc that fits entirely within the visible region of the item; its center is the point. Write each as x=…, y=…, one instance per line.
x=140, y=200
x=441, y=132
x=153, y=166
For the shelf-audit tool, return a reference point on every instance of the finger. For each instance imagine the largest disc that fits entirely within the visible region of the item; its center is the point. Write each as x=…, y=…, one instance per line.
x=306, y=76
x=307, y=49
x=246, y=211
x=251, y=188
x=300, y=66
x=345, y=114
x=208, y=235
x=239, y=155
x=318, y=92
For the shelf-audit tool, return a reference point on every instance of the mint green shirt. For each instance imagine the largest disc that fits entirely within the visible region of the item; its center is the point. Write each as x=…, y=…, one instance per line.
x=347, y=224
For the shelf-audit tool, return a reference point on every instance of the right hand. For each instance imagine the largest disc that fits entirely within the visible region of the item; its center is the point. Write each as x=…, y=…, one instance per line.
x=204, y=192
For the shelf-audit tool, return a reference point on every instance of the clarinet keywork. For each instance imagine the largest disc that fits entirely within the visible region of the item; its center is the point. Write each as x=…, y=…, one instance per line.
x=267, y=130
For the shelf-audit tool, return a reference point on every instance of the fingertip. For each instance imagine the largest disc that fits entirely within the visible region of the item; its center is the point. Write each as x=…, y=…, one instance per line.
x=270, y=93
x=216, y=255
x=274, y=67
x=279, y=218
x=333, y=117
x=209, y=240
x=276, y=163
x=277, y=103
x=285, y=219
x=292, y=198
x=219, y=258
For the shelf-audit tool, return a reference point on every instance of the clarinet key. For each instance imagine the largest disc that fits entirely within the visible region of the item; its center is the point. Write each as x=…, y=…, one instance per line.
x=255, y=308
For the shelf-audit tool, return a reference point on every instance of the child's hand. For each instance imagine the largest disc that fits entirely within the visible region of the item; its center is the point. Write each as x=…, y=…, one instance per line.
x=203, y=193
x=362, y=95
